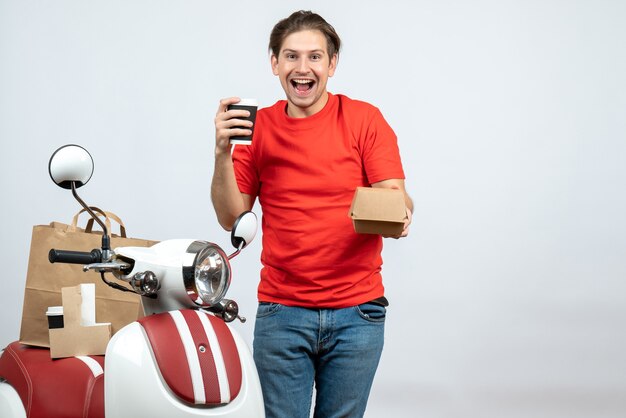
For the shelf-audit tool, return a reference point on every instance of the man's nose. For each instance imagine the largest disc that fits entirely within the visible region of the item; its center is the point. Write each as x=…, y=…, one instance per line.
x=303, y=66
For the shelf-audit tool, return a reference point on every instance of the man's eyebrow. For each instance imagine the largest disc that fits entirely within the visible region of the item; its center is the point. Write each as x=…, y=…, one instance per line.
x=292, y=51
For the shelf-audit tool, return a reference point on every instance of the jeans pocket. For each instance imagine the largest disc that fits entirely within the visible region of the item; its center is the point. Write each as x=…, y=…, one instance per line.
x=372, y=312
x=267, y=309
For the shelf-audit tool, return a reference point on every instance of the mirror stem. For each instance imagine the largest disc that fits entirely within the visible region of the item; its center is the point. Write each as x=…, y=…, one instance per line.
x=106, y=243
x=236, y=252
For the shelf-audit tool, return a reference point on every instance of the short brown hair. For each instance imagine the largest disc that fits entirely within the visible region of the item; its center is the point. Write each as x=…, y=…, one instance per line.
x=304, y=20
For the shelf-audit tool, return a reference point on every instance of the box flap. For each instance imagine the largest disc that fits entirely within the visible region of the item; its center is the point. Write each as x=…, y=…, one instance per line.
x=378, y=204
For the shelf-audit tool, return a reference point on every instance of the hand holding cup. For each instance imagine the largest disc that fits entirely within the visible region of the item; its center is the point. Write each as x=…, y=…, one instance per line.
x=251, y=106
x=234, y=120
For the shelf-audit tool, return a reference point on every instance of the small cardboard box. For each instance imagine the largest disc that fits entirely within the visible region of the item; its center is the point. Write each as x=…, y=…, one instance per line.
x=378, y=211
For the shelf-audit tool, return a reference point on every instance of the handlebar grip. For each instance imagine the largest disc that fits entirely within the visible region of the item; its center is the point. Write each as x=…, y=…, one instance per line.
x=75, y=257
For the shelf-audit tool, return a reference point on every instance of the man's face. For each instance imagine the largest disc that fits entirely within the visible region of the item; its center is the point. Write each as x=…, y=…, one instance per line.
x=303, y=67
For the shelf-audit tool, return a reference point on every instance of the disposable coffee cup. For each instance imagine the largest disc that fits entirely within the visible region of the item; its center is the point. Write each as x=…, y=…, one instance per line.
x=55, y=317
x=251, y=106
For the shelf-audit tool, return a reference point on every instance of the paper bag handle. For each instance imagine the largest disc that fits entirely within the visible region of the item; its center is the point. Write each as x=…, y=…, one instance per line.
x=107, y=220
x=108, y=217
x=94, y=209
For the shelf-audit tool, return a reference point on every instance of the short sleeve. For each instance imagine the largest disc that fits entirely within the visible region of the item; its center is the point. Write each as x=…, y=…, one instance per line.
x=246, y=172
x=379, y=149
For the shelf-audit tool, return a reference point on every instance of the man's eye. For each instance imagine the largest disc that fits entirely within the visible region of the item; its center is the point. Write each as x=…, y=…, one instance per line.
x=316, y=57
x=291, y=57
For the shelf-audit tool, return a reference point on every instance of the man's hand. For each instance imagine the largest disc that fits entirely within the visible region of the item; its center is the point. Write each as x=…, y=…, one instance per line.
x=225, y=122
x=405, y=230
x=398, y=184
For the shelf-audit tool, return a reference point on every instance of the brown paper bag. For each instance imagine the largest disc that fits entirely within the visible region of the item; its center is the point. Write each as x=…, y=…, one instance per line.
x=44, y=280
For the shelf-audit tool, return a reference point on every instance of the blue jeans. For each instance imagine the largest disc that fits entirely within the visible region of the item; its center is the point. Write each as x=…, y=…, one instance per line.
x=336, y=349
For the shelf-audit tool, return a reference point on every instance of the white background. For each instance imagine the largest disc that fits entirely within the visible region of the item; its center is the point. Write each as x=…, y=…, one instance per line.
x=509, y=297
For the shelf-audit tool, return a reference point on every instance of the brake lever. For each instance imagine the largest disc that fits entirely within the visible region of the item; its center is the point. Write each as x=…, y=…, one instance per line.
x=106, y=267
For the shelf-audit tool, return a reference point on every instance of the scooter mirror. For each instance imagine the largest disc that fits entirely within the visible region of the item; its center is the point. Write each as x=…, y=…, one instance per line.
x=244, y=230
x=70, y=163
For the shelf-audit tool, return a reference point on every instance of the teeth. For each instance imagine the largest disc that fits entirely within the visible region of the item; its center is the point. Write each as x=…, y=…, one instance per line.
x=302, y=81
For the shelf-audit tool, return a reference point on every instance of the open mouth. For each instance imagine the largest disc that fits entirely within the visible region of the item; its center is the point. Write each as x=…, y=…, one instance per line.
x=302, y=85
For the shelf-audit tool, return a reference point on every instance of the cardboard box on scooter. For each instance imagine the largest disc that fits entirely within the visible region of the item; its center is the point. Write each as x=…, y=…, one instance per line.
x=80, y=335
x=378, y=211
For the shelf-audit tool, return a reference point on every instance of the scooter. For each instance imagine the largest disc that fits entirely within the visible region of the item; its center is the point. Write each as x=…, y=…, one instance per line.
x=182, y=359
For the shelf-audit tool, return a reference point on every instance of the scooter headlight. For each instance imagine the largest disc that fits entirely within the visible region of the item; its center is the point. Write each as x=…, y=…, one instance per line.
x=208, y=279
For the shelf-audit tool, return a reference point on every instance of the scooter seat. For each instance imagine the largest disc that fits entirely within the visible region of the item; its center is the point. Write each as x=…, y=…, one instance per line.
x=196, y=355
x=67, y=387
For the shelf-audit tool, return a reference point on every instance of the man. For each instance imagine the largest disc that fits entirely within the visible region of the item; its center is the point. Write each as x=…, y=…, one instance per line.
x=321, y=310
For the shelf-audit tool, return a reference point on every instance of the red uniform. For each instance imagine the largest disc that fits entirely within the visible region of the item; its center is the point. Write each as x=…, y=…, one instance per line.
x=304, y=172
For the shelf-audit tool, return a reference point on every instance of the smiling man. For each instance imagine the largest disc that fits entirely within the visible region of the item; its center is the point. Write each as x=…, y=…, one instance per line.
x=321, y=315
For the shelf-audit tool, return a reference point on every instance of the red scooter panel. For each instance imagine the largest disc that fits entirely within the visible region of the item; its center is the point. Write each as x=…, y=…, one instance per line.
x=68, y=387
x=196, y=355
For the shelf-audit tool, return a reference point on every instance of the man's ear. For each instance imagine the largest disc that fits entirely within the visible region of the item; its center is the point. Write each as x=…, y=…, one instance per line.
x=274, y=63
x=332, y=66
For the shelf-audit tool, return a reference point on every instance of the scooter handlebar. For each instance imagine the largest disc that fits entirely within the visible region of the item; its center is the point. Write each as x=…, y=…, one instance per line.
x=75, y=257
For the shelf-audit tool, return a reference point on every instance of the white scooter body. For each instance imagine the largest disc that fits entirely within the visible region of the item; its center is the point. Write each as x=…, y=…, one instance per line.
x=164, y=260
x=10, y=403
